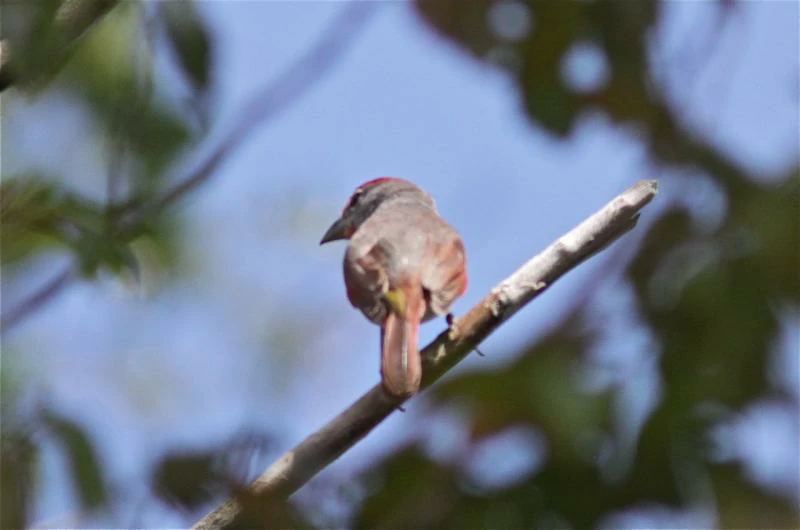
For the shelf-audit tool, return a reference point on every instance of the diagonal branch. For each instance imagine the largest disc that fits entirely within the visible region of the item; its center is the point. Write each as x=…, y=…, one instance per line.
x=298, y=466
x=39, y=298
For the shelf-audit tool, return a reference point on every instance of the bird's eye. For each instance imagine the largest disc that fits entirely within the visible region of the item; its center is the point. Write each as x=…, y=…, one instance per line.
x=356, y=197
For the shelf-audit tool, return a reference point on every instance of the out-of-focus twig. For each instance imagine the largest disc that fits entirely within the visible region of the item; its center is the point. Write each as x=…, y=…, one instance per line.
x=289, y=87
x=39, y=298
x=298, y=466
x=277, y=96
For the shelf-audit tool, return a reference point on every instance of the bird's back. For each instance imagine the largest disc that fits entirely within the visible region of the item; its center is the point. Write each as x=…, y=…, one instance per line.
x=408, y=240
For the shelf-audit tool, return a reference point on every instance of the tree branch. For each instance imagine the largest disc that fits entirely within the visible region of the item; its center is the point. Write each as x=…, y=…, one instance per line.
x=298, y=466
x=43, y=295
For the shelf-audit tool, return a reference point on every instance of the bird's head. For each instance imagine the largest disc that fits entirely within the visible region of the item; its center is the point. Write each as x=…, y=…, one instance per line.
x=366, y=199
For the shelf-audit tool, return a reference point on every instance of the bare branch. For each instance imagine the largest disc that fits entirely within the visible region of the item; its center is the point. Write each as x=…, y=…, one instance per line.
x=43, y=295
x=298, y=466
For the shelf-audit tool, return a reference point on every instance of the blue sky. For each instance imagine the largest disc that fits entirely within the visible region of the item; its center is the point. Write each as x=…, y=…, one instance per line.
x=258, y=333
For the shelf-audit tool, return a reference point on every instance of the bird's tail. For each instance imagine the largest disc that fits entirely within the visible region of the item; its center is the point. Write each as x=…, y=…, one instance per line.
x=401, y=367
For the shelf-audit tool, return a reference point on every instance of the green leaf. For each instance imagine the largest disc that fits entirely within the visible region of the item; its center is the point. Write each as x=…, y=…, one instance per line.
x=765, y=218
x=82, y=460
x=540, y=389
x=186, y=479
x=19, y=452
x=653, y=457
x=412, y=492
x=190, y=41
x=619, y=29
x=743, y=505
x=43, y=35
x=29, y=212
x=104, y=249
x=463, y=22
x=18, y=476
x=105, y=74
x=35, y=214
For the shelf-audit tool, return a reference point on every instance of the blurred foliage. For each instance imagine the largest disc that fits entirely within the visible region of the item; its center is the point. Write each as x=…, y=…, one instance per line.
x=43, y=36
x=110, y=75
x=18, y=457
x=188, y=478
x=100, y=56
x=37, y=214
x=536, y=57
x=83, y=460
x=18, y=476
x=189, y=40
x=712, y=299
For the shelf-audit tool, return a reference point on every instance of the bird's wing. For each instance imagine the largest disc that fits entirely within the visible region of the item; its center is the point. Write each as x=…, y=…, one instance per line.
x=446, y=279
x=366, y=280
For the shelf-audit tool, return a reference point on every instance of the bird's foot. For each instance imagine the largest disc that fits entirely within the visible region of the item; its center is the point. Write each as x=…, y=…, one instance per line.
x=450, y=319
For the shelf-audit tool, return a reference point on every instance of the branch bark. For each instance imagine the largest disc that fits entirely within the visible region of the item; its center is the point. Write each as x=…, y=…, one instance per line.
x=298, y=466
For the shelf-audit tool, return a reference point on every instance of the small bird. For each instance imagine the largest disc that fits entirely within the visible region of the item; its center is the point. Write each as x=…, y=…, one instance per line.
x=404, y=265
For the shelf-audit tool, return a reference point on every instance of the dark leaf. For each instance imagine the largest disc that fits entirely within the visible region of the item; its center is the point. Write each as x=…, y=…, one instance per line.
x=104, y=249
x=538, y=56
x=35, y=213
x=187, y=480
x=82, y=459
x=463, y=22
x=29, y=214
x=742, y=505
x=190, y=40
x=18, y=474
x=540, y=389
x=654, y=458
x=412, y=492
x=765, y=221
x=42, y=36
x=267, y=513
x=105, y=74
x=671, y=230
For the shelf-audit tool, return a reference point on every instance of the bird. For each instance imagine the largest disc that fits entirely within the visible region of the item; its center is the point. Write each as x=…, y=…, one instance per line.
x=403, y=265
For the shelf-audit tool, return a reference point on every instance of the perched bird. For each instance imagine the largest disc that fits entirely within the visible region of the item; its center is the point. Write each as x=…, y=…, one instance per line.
x=404, y=265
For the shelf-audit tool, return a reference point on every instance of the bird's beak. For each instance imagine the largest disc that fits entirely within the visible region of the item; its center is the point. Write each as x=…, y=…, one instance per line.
x=338, y=230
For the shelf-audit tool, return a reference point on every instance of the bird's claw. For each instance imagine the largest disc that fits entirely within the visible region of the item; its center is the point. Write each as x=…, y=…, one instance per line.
x=450, y=319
